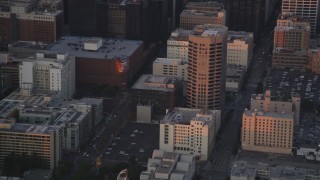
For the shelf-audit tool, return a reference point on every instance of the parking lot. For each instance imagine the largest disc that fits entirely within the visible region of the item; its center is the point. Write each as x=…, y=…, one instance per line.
x=136, y=139
x=284, y=83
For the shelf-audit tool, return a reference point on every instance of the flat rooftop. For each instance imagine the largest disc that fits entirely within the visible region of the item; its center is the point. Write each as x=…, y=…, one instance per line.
x=7, y=107
x=30, y=128
x=29, y=45
x=207, y=4
x=270, y=114
x=290, y=51
x=209, y=30
x=157, y=83
x=37, y=99
x=240, y=35
x=179, y=35
x=110, y=49
x=168, y=61
x=196, y=13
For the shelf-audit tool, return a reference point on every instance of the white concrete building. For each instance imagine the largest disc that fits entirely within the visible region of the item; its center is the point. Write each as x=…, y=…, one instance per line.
x=168, y=165
x=189, y=131
x=240, y=48
x=171, y=67
x=49, y=73
x=177, y=44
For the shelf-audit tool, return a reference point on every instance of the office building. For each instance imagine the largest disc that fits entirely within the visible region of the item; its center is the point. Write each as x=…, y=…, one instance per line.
x=189, y=131
x=31, y=115
x=48, y=72
x=292, y=32
x=240, y=48
x=207, y=66
x=169, y=165
x=267, y=103
x=234, y=78
x=5, y=83
x=307, y=9
x=178, y=44
x=190, y=18
x=251, y=171
x=170, y=67
x=116, y=19
x=102, y=61
x=289, y=59
x=77, y=128
x=159, y=92
x=205, y=6
x=270, y=132
x=27, y=21
x=245, y=15
x=41, y=144
x=314, y=61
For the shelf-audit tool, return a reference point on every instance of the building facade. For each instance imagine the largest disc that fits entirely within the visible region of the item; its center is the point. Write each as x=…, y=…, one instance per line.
x=240, y=48
x=170, y=67
x=234, y=78
x=102, y=61
x=189, y=131
x=178, y=44
x=267, y=103
x=292, y=32
x=207, y=66
x=307, y=9
x=39, y=143
x=159, y=92
x=289, y=59
x=48, y=72
x=26, y=21
x=267, y=131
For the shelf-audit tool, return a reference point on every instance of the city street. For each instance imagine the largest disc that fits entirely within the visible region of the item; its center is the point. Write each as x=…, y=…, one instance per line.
x=219, y=166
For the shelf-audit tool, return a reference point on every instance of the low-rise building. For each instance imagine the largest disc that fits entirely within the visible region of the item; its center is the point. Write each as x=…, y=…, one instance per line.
x=240, y=48
x=189, y=131
x=169, y=165
x=289, y=59
x=234, y=77
x=267, y=131
x=178, y=44
x=171, y=67
x=102, y=61
x=242, y=170
x=314, y=61
x=267, y=103
x=41, y=144
x=160, y=92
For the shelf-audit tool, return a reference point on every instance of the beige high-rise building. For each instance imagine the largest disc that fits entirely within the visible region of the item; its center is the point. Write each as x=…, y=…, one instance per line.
x=240, y=48
x=41, y=143
x=267, y=131
x=189, y=131
x=267, y=103
x=292, y=32
x=304, y=8
x=207, y=66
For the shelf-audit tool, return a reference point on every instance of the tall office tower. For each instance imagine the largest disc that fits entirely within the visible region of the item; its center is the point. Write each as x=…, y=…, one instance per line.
x=50, y=73
x=304, y=8
x=189, y=131
x=178, y=44
x=159, y=15
x=240, y=48
x=207, y=66
x=245, y=15
x=292, y=32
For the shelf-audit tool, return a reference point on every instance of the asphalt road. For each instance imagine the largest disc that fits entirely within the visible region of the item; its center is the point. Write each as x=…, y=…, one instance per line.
x=220, y=163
